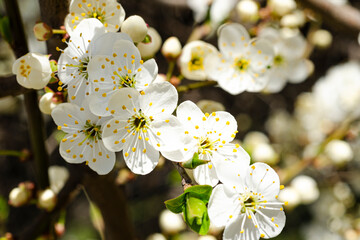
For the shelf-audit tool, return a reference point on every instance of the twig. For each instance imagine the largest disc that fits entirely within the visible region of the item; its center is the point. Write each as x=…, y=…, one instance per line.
x=196, y=85
x=186, y=181
x=10, y=87
x=343, y=18
x=36, y=126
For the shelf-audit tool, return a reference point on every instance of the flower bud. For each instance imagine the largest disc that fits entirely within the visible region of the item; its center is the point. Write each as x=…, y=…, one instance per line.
x=264, y=152
x=19, y=196
x=47, y=104
x=149, y=49
x=306, y=187
x=248, y=11
x=209, y=106
x=294, y=20
x=195, y=211
x=339, y=152
x=321, y=38
x=32, y=70
x=135, y=27
x=171, y=223
x=252, y=139
x=42, y=31
x=171, y=48
x=156, y=236
x=47, y=200
x=282, y=7
x=290, y=195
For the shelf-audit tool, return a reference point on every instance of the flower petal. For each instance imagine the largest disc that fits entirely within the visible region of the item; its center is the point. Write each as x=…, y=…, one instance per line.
x=223, y=125
x=70, y=150
x=206, y=174
x=146, y=74
x=191, y=117
x=233, y=229
x=271, y=222
x=114, y=134
x=233, y=38
x=102, y=160
x=222, y=205
x=68, y=117
x=124, y=103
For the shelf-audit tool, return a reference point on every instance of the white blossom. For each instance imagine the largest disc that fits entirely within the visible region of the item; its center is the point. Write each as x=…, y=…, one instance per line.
x=306, y=187
x=246, y=204
x=208, y=135
x=339, y=152
x=32, y=70
x=289, y=63
x=109, y=12
x=87, y=40
x=142, y=125
x=192, y=59
x=123, y=68
x=282, y=7
x=242, y=64
x=248, y=10
x=171, y=48
x=83, y=140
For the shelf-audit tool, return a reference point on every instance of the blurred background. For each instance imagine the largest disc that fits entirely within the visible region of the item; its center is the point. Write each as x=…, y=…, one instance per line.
x=308, y=131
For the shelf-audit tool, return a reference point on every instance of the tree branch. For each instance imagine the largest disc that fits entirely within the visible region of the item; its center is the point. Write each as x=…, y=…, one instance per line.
x=10, y=87
x=186, y=181
x=344, y=18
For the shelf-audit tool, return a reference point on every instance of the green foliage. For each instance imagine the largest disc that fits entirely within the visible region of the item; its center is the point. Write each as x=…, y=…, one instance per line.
x=5, y=29
x=193, y=204
x=194, y=162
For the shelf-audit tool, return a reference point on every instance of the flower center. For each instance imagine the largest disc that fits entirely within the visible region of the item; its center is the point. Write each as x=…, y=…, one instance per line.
x=206, y=145
x=242, y=64
x=98, y=15
x=278, y=60
x=196, y=63
x=250, y=201
x=125, y=81
x=139, y=122
x=92, y=131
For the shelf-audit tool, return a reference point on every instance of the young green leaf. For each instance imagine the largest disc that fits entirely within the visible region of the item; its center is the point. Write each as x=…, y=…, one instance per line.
x=194, y=162
x=176, y=204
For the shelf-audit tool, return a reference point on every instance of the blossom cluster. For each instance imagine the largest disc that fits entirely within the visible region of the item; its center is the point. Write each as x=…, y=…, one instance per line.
x=114, y=105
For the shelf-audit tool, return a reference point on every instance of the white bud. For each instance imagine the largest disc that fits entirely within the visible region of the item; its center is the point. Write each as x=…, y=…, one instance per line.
x=209, y=106
x=339, y=152
x=47, y=199
x=321, y=38
x=294, y=20
x=46, y=103
x=19, y=196
x=171, y=48
x=254, y=138
x=248, y=11
x=282, y=7
x=207, y=237
x=306, y=187
x=42, y=31
x=32, y=70
x=264, y=152
x=135, y=27
x=156, y=236
x=170, y=222
x=58, y=176
x=148, y=50
x=290, y=195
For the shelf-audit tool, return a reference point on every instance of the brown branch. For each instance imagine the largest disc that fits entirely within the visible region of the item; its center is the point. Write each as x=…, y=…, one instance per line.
x=10, y=87
x=191, y=86
x=186, y=181
x=111, y=200
x=344, y=18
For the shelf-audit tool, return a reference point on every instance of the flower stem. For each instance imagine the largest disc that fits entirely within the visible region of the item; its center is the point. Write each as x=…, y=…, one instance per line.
x=35, y=121
x=170, y=70
x=196, y=85
x=12, y=153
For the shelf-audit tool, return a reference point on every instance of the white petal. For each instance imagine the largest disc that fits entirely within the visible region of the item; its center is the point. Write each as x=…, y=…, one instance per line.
x=257, y=83
x=293, y=48
x=220, y=10
x=206, y=174
x=184, y=150
x=87, y=29
x=114, y=134
x=70, y=149
x=160, y=99
x=102, y=160
x=165, y=133
x=261, y=54
x=146, y=75
x=191, y=117
x=222, y=125
x=267, y=220
x=299, y=71
x=124, y=103
x=102, y=45
x=126, y=52
x=261, y=178
x=234, y=82
x=232, y=39
x=68, y=116
x=233, y=229
x=223, y=203
x=140, y=156
x=277, y=80
x=78, y=90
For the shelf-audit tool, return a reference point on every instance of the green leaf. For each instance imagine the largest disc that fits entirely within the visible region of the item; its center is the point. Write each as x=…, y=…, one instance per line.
x=5, y=29
x=176, y=204
x=194, y=162
x=196, y=216
x=202, y=192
